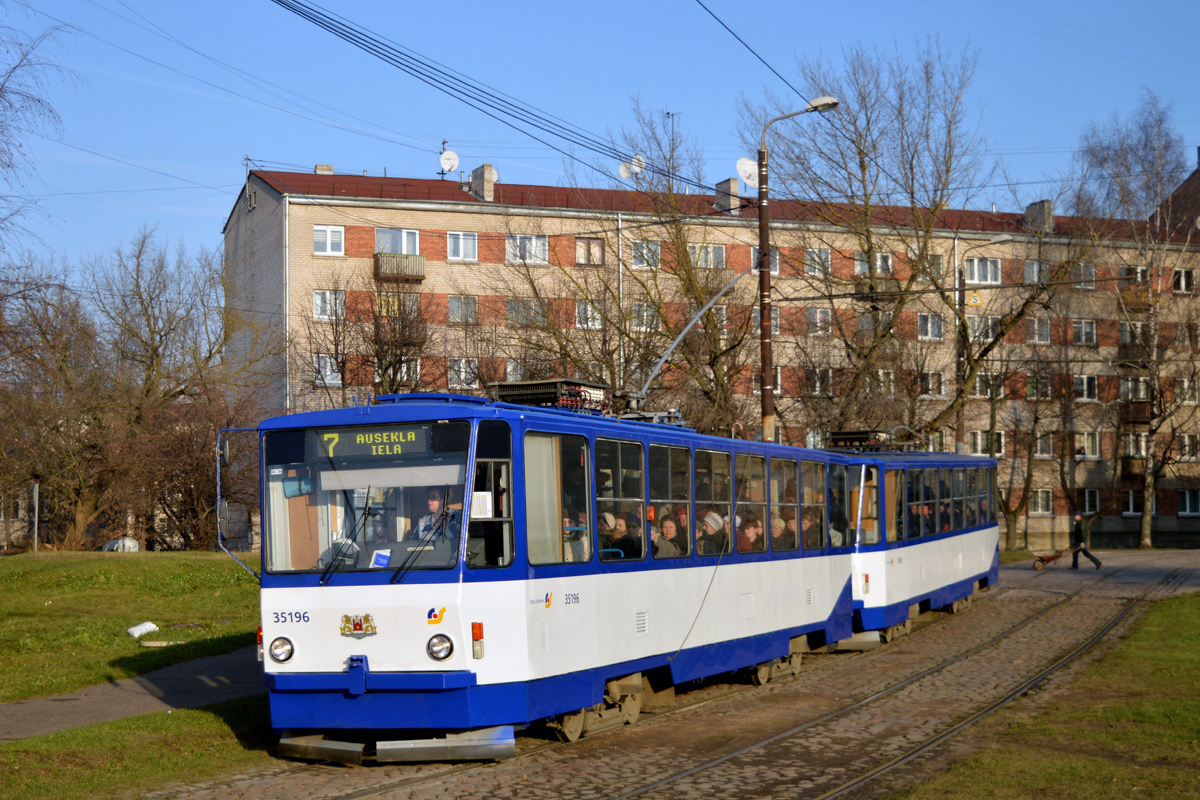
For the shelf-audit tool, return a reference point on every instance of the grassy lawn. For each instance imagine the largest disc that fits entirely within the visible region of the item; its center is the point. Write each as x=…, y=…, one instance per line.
x=1129, y=727
x=131, y=756
x=63, y=616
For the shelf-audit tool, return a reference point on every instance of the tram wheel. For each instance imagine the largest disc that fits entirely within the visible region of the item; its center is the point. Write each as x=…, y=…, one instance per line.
x=631, y=708
x=762, y=674
x=570, y=726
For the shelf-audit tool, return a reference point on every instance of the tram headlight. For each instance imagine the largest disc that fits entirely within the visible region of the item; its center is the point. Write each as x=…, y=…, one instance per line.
x=440, y=647
x=281, y=650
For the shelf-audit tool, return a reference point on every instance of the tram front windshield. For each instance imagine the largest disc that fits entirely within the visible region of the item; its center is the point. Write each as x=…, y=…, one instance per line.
x=351, y=499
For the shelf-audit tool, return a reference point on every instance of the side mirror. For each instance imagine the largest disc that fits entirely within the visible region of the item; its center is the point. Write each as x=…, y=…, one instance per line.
x=223, y=450
x=222, y=514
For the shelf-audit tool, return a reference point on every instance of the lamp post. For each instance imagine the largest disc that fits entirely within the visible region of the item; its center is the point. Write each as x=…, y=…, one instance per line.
x=767, y=365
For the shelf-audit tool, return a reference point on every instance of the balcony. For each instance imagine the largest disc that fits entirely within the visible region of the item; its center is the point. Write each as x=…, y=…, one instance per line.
x=1133, y=467
x=1135, y=352
x=883, y=284
x=397, y=267
x=1136, y=298
x=1138, y=411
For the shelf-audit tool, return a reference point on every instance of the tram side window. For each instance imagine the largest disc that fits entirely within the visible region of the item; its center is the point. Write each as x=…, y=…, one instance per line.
x=944, y=500
x=841, y=526
x=812, y=509
x=987, y=509
x=555, y=482
x=916, y=508
x=931, y=502
x=959, y=487
x=490, y=528
x=785, y=504
x=621, y=495
x=868, y=481
x=714, y=490
x=751, y=514
x=670, y=501
x=893, y=489
x=972, y=499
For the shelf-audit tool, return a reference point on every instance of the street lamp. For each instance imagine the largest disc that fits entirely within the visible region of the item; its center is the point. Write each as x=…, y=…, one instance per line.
x=767, y=366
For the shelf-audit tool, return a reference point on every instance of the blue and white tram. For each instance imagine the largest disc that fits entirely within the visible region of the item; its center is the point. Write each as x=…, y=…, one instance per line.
x=440, y=570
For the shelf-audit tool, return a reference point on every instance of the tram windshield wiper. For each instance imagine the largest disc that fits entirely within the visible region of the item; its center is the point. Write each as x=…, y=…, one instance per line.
x=347, y=549
x=437, y=532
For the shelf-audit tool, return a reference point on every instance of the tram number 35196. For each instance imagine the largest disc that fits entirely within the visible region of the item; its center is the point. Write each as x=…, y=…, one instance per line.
x=290, y=616
x=571, y=598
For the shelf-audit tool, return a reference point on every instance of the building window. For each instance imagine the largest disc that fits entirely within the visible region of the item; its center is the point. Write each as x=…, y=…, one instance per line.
x=814, y=440
x=1084, y=276
x=403, y=242
x=326, y=370
x=1133, y=444
x=526, y=311
x=329, y=304
x=464, y=310
x=983, y=329
x=1134, y=502
x=882, y=384
x=645, y=318
x=988, y=385
x=328, y=240
x=589, y=252
x=1085, y=331
x=1037, y=387
x=526, y=249
x=929, y=384
x=589, y=316
x=817, y=261
x=1043, y=445
x=982, y=270
x=820, y=382
x=1131, y=275
x=462, y=246
x=1189, y=502
x=707, y=256
x=392, y=305
x=1036, y=272
x=514, y=370
x=1085, y=387
x=819, y=321
x=646, y=255
x=1039, y=330
x=1087, y=445
x=775, y=324
x=986, y=443
x=1137, y=388
x=1091, y=501
x=1187, y=392
x=929, y=327
x=405, y=370
x=778, y=381
x=774, y=260
x=463, y=373
x=1189, y=447
x=883, y=264
x=1184, y=281
x=1041, y=503
x=1131, y=332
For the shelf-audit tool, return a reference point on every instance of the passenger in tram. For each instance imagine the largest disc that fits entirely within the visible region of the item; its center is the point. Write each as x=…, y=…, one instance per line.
x=710, y=536
x=631, y=544
x=810, y=530
x=665, y=542
x=440, y=522
x=574, y=537
x=749, y=538
x=781, y=538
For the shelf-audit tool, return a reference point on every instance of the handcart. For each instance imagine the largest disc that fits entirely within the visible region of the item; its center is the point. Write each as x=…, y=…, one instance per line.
x=1043, y=559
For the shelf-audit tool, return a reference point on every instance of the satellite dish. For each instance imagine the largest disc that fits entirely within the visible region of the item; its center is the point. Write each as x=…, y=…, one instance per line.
x=747, y=170
x=637, y=164
x=626, y=170
x=449, y=161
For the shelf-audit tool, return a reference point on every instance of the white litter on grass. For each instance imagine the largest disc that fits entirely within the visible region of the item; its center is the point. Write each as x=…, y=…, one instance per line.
x=142, y=630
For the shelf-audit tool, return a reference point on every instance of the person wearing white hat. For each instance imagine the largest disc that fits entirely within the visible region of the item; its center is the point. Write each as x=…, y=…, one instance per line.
x=710, y=537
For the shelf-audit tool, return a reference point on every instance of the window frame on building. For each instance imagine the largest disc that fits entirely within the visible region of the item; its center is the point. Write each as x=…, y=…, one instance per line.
x=328, y=240
x=468, y=313
x=462, y=237
x=989, y=267
x=527, y=248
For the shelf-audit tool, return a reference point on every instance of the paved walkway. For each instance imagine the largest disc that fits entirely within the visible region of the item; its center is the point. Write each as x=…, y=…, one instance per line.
x=188, y=685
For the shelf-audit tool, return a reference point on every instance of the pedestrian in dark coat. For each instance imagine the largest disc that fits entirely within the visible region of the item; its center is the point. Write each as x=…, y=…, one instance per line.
x=1079, y=544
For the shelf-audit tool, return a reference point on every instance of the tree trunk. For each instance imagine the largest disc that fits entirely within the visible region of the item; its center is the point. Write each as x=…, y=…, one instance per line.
x=85, y=512
x=1147, y=507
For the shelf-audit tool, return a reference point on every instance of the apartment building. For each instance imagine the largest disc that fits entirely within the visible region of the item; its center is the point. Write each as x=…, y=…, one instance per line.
x=1076, y=343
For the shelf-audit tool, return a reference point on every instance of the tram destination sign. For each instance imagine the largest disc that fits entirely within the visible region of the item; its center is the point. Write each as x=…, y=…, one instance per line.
x=379, y=441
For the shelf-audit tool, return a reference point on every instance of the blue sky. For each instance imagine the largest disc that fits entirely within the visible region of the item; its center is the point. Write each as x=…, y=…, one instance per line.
x=165, y=98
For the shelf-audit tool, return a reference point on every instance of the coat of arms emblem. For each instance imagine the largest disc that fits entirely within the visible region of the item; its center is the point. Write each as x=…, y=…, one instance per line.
x=358, y=627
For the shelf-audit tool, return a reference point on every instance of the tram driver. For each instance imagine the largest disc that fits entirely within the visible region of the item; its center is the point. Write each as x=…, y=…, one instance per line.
x=440, y=522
